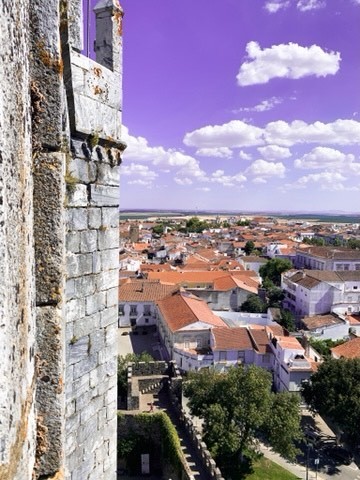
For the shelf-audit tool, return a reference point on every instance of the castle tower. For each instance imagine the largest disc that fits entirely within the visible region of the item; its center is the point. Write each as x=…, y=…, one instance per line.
x=59, y=174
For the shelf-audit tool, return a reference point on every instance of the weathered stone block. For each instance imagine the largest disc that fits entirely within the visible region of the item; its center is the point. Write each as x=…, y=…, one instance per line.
x=49, y=392
x=79, y=264
x=86, y=325
x=49, y=226
x=107, y=280
x=88, y=241
x=94, y=405
x=109, y=239
x=110, y=217
x=75, y=309
x=85, y=286
x=73, y=242
x=85, y=366
x=95, y=303
x=96, y=262
x=94, y=218
x=110, y=257
x=108, y=175
x=112, y=297
x=108, y=316
x=83, y=170
x=77, y=195
x=77, y=350
x=77, y=219
x=104, y=196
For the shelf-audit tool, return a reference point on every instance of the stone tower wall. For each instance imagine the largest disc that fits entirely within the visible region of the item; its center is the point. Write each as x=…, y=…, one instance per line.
x=17, y=286
x=61, y=128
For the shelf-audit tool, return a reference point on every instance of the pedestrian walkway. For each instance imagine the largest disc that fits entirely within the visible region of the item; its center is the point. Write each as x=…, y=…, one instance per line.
x=197, y=471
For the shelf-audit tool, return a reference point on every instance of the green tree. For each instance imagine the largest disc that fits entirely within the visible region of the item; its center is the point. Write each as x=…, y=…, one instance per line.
x=353, y=243
x=249, y=247
x=254, y=304
x=158, y=229
x=323, y=346
x=275, y=296
x=237, y=407
x=334, y=391
x=287, y=320
x=195, y=225
x=273, y=269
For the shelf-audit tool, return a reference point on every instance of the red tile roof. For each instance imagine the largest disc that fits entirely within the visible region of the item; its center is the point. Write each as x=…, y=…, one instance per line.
x=350, y=349
x=183, y=309
x=232, y=339
x=144, y=291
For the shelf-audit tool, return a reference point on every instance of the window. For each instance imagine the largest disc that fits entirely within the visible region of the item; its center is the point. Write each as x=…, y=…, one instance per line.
x=199, y=342
x=346, y=266
x=222, y=356
x=241, y=356
x=355, y=287
x=357, y=266
x=133, y=310
x=147, y=310
x=121, y=309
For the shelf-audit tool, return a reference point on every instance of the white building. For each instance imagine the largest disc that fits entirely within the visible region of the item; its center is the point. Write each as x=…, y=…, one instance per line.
x=316, y=292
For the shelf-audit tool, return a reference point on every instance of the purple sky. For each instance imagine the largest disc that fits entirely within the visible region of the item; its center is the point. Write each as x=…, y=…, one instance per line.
x=241, y=105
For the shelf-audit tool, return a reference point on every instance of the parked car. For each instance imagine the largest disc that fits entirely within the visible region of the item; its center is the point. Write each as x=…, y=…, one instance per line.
x=340, y=454
x=311, y=437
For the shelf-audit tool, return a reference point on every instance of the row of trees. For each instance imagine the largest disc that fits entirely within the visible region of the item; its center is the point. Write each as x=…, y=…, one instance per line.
x=334, y=392
x=334, y=242
x=195, y=225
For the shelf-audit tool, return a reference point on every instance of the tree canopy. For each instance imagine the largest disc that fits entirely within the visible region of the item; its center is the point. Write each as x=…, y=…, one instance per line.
x=237, y=407
x=334, y=390
x=273, y=269
x=253, y=304
x=249, y=247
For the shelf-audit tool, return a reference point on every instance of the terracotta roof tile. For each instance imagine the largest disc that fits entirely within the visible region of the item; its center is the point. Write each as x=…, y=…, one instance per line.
x=319, y=321
x=350, y=349
x=183, y=309
x=144, y=291
x=232, y=339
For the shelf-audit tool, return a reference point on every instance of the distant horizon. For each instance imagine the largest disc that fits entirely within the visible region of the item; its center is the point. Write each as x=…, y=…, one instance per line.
x=281, y=212
x=241, y=105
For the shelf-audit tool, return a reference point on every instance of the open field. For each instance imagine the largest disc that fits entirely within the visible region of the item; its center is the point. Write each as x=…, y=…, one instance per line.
x=306, y=217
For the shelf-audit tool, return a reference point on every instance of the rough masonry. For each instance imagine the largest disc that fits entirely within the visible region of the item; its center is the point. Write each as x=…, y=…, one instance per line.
x=60, y=118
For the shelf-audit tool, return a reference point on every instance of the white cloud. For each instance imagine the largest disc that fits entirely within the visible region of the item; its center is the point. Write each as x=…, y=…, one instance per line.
x=307, y=5
x=220, y=152
x=183, y=181
x=263, y=106
x=340, y=132
x=226, y=180
x=244, y=156
x=327, y=180
x=276, y=5
x=139, y=150
x=274, y=152
x=203, y=189
x=239, y=134
x=233, y=134
x=138, y=170
x=261, y=168
x=259, y=180
x=286, y=61
x=324, y=157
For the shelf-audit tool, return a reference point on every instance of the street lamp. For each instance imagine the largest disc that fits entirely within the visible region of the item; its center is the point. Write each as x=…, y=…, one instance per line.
x=309, y=445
